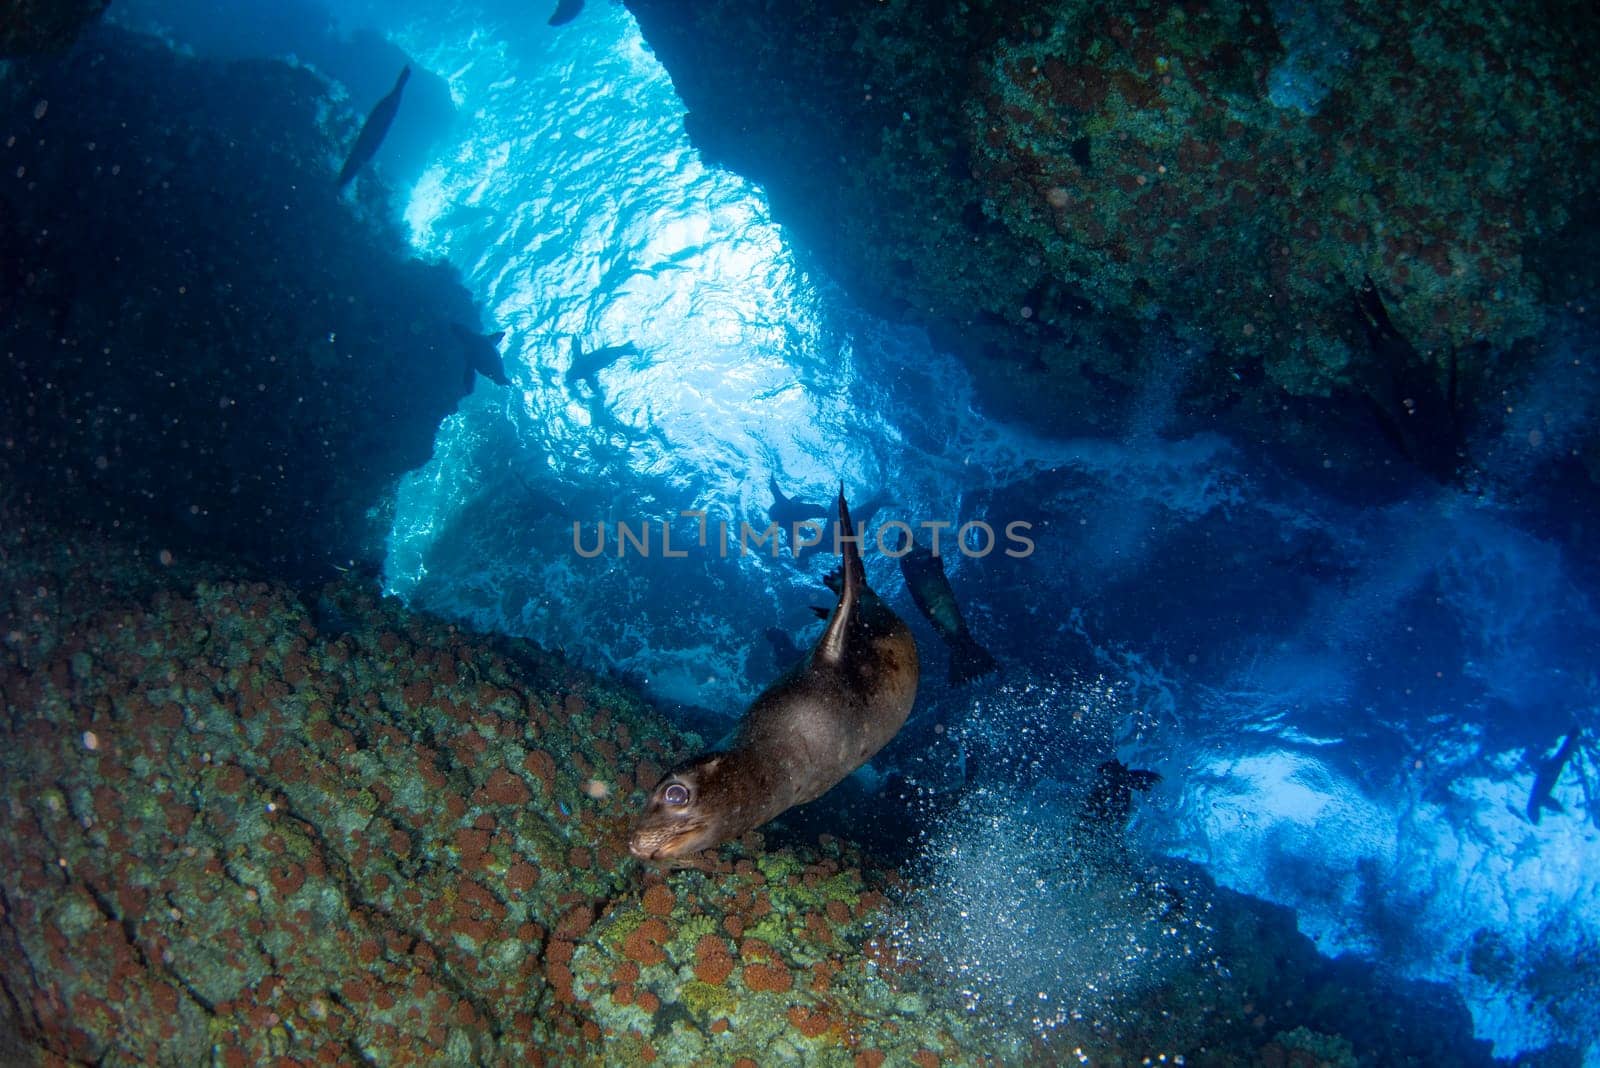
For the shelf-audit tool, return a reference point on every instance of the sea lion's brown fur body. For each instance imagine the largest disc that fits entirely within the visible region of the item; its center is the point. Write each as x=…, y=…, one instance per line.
x=819, y=722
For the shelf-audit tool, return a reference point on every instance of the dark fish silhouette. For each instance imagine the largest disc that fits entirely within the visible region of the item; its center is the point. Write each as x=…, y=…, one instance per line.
x=586, y=366
x=786, y=512
x=1549, y=773
x=1422, y=417
x=566, y=11
x=373, y=130
x=863, y=521
x=930, y=588
x=1110, y=801
x=481, y=356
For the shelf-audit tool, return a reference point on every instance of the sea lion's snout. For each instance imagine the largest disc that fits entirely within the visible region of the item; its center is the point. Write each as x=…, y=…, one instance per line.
x=673, y=823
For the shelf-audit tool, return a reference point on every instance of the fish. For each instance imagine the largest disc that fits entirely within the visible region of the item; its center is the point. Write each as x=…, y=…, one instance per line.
x=373, y=130
x=930, y=588
x=1549, y=773
x=818, y=722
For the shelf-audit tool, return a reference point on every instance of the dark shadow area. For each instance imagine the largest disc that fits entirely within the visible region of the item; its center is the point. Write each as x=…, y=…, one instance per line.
x=201, y=337
x=29, y=27
x=304, y=32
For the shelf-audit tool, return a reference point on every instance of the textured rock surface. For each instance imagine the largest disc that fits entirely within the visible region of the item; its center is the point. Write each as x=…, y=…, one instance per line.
x=244, y=824
x=998, y=171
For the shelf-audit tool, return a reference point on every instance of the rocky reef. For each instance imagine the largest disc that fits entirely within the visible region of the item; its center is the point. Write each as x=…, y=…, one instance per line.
x=245, y=823
x=196, y=331
x=1049, y=186
x=28, y=27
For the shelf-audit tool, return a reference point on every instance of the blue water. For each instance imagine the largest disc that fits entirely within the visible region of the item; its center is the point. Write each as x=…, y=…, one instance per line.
x=1347, y=694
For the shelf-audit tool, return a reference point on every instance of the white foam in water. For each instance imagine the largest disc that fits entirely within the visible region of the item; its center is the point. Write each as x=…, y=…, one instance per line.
x=1026, y=924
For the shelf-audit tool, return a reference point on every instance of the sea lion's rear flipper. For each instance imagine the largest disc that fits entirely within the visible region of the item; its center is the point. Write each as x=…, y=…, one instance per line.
x=831, y=647
x=969, y=661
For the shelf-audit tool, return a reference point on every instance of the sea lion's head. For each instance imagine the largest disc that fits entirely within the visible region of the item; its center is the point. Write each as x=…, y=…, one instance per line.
x=687, y=811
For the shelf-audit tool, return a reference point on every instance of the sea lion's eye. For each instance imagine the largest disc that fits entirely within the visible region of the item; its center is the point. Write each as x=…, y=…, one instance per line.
x=676, y=795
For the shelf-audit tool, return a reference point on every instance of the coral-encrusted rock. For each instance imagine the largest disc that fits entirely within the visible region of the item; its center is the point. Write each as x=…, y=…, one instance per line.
x=230, y=838
x=998, y=170
x=226, y=825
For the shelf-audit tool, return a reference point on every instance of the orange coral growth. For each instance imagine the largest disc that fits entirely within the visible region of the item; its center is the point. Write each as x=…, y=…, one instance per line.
x=542, y=766
x=713, y=963
x=755, y=949
x=521, y=876
x=809, y=1022
x=286, y=880
x=870, y=1058
x=472, y=843
x=644, y=944
x=504, y=788
x=871, y=901
x=575, y=922
x=838, y=912
x=769, y=978
x=649, y=1002
x=658, y=900
x=925, y=1058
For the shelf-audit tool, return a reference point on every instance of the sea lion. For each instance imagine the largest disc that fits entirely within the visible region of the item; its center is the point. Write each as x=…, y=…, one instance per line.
x=930, y=588
x=1110, y=801
x=480, y=354
x=816, y=724
x=787, y=512
x=1548, y=774
x=586, y=366
x=864, y=512
x=373, y=130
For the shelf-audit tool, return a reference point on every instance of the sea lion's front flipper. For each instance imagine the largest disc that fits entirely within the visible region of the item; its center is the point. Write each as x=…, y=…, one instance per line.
x=831, y=646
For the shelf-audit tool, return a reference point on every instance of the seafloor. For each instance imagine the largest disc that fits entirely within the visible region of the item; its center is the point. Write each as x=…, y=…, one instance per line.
x=249, y=824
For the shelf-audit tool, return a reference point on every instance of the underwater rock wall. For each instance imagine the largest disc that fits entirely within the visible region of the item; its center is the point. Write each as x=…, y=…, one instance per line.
x=1010, y=174
x=199, y=334
x=245, y=824
x=28, y=27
